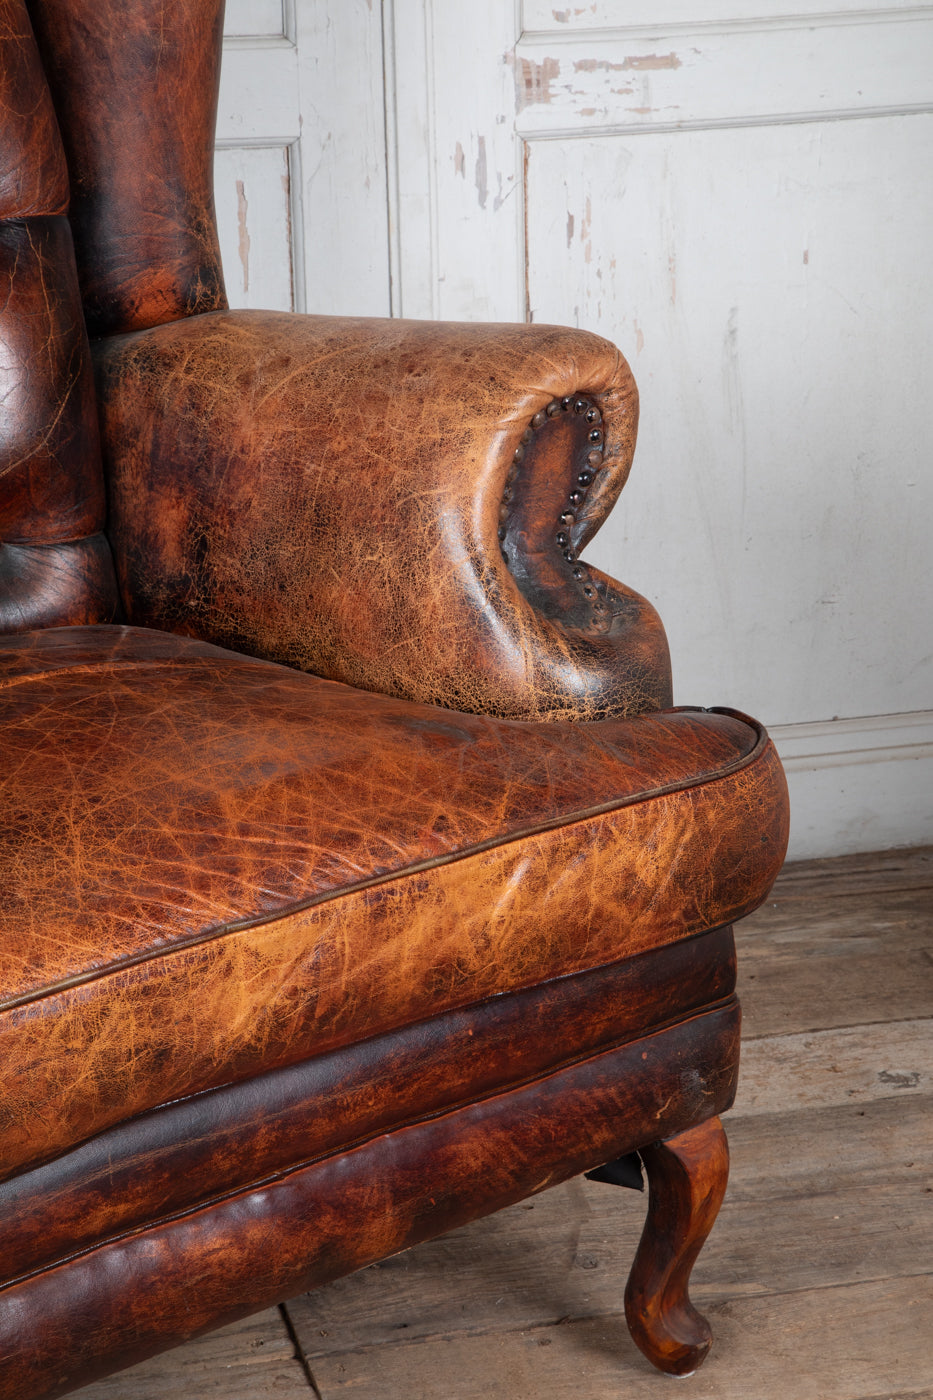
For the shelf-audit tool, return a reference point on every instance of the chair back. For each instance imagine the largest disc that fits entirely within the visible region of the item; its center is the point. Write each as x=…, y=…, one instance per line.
x=116, y=99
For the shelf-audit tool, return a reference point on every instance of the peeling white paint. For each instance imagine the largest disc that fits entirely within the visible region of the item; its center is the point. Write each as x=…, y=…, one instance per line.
x=243, y=238
x=652, y=61
x=585, y=227
x=482, y=183
x=533, y=80
x=254, y=209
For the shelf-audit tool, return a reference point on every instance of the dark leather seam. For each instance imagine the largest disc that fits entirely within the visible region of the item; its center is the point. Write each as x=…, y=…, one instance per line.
x=459, y=1008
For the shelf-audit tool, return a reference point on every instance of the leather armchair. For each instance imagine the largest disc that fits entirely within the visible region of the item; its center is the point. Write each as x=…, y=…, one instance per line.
x=358, y=877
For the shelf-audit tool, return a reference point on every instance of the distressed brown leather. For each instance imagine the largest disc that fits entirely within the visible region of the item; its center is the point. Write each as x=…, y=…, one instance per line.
x=56, y=585
x=133, y=1296
x=55, y=565
x=135, y=86
x=294, y=974
x=195, y=1148
x=33, y=173
x=320, y=864
x=53, y=489
x=328, y=492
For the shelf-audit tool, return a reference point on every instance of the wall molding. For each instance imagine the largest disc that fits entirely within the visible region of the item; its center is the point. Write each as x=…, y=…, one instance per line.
x=739, y=123
x=869, y=739
x=540, y=17
x=259, y=94
x=861, y=784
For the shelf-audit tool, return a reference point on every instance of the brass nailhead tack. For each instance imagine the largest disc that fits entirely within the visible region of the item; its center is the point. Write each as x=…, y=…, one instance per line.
x=594, y=460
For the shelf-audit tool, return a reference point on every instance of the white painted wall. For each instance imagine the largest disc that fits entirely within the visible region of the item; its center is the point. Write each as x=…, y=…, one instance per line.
x=739, y=196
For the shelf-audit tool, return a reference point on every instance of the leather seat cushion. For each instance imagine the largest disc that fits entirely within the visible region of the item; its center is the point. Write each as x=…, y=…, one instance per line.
x=212, y=865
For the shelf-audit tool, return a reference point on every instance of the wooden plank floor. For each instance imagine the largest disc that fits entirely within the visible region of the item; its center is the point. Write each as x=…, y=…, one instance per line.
x=818, y=1278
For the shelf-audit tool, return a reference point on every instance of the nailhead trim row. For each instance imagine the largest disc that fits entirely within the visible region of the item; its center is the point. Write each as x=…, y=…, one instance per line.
x=590, y=465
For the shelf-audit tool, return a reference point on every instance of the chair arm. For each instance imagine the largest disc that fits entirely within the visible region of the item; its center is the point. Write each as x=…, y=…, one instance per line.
x=394, y=504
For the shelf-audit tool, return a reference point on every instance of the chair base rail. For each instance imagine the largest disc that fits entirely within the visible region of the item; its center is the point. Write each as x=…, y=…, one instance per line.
x=114, y=1304
x=185, y=1153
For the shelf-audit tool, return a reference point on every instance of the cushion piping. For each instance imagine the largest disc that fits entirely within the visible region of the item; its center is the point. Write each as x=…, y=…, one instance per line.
x=417, y=867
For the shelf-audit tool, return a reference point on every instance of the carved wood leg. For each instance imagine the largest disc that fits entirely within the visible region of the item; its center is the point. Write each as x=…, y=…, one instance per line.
x=687, y=1178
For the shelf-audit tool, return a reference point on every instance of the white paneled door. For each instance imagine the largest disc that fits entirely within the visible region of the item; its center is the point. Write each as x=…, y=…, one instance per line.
x=300, y=166
x=738, y=194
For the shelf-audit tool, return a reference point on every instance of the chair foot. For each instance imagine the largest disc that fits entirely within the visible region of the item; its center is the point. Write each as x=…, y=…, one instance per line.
x=687, y=1178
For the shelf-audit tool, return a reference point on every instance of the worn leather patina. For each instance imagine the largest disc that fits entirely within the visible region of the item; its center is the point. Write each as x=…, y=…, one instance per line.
x=330, y=492
x=286, y=865
x=55, y=564
x=357, y=876
x=135, y=88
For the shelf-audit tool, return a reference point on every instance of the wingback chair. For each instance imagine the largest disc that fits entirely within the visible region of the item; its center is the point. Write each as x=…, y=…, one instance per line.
x=358, y=878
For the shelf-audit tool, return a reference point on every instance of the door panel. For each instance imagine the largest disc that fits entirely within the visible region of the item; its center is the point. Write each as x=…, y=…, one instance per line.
x=301, y=161
x=623, y=81
x=257, y=155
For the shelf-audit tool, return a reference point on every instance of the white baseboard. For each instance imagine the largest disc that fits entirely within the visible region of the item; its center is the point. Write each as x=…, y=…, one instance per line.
x=858, y=784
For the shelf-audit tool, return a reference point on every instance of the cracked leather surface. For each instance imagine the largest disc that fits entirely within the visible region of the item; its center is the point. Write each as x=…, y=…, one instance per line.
x=290, y=974
x=55, y=564
x=135, y=88
x=207, y=1144
x=326, y=492
x=133, y=1296
x=52, y=487
x=213, y=865
x=33, y=173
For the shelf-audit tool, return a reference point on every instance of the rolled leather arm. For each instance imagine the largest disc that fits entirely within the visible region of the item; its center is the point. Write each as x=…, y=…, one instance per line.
x=398, y=505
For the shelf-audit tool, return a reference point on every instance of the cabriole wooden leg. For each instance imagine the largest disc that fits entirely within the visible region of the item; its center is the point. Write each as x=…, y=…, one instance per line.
x=687, y=1178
